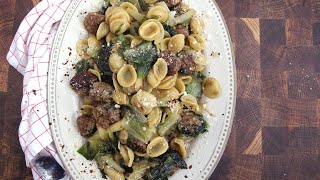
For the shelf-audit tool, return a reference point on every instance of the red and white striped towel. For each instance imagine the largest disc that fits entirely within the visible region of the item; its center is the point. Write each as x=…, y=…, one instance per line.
x=30, y=54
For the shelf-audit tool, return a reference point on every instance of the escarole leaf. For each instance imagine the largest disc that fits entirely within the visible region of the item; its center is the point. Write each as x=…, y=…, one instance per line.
x=143, y=55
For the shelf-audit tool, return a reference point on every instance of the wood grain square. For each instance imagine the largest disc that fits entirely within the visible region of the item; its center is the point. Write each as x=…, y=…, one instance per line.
x=248, y=84
x=303, y=58
x=275, y=167
x=315, y=6
x=10, y=140
x=274, y=85
x=248, y=31
x=303, y=113
x=274, y=112
x=304, y=166
x=10, y=164
x=247, y=8
x=272, y=9
x=299, y=32
x=316, y=33
x=2, y=110
x=298, y=9
x=304, y=140
x=303, y=84
x=272, y=32
x=274, y=140
x=247, y=167
x=273, y=59
x=223, y=169
x=14, y=94
x=227, y=8
x=248, y=57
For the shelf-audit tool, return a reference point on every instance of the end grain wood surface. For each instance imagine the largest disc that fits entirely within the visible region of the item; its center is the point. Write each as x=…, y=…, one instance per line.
x=276, y=131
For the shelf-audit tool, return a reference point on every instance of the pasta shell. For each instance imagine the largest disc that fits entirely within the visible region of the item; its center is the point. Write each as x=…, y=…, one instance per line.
x=126, y=6
x=211, y=87
x=120, y=98
x=119, y=26
x=197, y=25
x=127, y=76
x=96, y=73
x=102, y=31
x=167, y=94
x=179, y=145
x=110, y=37
x=140, y=154
x=160, y=69
x=115, y=127
x=151, y=30
x=116, y=85
x=144, y=101
x=113, y=174
x=152, y=79
x=109, y=13
x=154, y=117
x=196, y=42
x=163, y=46
x=190, y=102
x=159, y=13
x=81, y=48
x=127, y=155
x=136, y=41
x=185, y=79
x=116, y=62
x=176, y=43
x=157, y=147
x=123, y=136
x=168, y=82
x=180, y=86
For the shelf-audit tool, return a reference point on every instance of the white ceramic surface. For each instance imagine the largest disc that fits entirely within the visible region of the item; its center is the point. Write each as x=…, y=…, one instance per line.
x=63, y=103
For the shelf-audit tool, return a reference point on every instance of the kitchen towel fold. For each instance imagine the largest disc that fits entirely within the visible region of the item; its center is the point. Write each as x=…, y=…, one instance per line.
x=29, y=54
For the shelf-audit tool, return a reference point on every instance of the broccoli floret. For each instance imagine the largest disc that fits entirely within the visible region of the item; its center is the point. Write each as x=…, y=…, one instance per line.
x=192, y=124
x=169, y=29
x=83, y=65
x=168, y=163
x=143, y=55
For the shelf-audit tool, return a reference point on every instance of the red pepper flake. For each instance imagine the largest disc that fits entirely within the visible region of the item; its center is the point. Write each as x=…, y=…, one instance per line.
x=34, y=92
x=190, y=167
x=70, y=53
x=222, y=114
x=71, y=159
x=69, y=48
x=91, y=171
x=66, y=62
x=62, y=146
x=50, y=123
x=185, y=176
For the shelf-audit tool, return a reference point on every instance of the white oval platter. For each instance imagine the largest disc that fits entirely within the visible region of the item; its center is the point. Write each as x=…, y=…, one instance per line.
x=63, y=104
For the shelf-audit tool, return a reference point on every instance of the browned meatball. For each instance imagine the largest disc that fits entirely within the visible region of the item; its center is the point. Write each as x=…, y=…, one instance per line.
x=191, y=124
x=174, y=63
x=82, y=82
x=172, y=3
x=187, y=64
x=181, y=29
x=106, y=115
x=101, y=91
x=92, y=22
x=86, y=124
x=137, y=145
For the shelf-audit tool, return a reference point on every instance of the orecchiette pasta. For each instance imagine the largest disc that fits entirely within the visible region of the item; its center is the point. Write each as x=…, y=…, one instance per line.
x=134, y=88
x=127, y=5
x=116, y=62
x=82, y=46
x=196, y=42
x=185, y=79
x=176, y=43
x=157, y=147
x=119, y=20
x=123, y=136
x=180, y=86
x=197, y=25
x=168, y=82
x=109, y=37
x=190, y=102
x=159, y=13
x=127, y=155
x=179, y=145
x=93, y=46
x=144, y=102
x=127, y=76
x=163, y=45
x=160, y=69
x=154, y=117
x=120, y=98
x=113, y=174
x=116, y=85
x=103, y=30
x=151, y=30
x=166, y=94
x=136, y=41
x=150, y=1
x=200, y=61
x=211, y=87
x=152, y=79
x=96, y=73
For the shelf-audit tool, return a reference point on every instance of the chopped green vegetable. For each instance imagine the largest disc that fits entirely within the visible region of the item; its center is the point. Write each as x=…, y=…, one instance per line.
x=136, y=15
x=169, y=29
x=91, y=148
x=185, y=17
x=83, y=65
x=168, y=123
x=144, y=6
x=168, y=163
x=194, y=87
x=144, y=55
x=139, y=169
x=124, y=43
x=134, y=124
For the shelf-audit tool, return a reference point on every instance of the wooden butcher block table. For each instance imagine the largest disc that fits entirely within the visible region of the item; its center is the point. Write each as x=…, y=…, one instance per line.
x=276, y=130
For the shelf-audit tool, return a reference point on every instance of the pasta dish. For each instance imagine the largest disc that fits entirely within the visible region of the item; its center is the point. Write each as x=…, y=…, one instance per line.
x=140, y=79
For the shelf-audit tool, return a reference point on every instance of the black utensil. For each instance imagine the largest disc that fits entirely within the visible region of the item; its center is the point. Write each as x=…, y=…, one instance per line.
x=49, y=168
